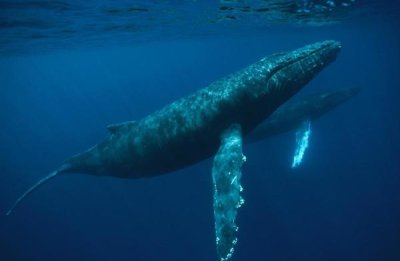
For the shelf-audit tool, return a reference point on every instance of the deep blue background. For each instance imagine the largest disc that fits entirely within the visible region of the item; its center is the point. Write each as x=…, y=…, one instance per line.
x=343, y=203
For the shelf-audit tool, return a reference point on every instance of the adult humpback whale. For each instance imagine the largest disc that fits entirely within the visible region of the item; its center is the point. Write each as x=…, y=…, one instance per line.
x=212, y=121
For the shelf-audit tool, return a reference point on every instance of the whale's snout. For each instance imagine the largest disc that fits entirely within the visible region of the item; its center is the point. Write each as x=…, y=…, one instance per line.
x=294, y=69
x=284, y=74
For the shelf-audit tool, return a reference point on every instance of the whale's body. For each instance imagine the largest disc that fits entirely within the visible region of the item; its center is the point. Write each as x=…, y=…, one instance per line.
x=210, y=122
x=189, y=130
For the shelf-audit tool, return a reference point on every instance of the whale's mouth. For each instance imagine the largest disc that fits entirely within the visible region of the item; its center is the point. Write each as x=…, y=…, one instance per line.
x=318, y=53
x=293, y=69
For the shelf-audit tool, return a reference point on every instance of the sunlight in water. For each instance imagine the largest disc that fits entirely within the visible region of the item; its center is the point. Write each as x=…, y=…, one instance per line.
x=302, y=139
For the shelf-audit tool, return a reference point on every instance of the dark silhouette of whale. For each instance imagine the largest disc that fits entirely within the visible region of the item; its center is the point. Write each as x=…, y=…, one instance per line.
x=292, y=114
x=212, y=121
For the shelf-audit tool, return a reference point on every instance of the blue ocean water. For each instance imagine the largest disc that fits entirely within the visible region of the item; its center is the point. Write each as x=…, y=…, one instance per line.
x=70, y=68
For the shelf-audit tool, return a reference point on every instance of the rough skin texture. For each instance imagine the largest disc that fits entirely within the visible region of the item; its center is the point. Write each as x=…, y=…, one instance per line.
x=188, y=130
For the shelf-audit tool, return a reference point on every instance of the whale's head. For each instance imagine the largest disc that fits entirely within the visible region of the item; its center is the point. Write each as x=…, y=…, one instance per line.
x=334, y=98
x=276, y=78
x=319, y=104
x=286, y=73
x=290, y=71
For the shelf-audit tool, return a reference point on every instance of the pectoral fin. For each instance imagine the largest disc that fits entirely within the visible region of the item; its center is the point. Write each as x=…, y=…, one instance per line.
x=226, y=173
x=302, y=139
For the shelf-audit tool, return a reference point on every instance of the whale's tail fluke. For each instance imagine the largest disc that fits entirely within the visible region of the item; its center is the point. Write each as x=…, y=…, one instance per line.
x=62, y=169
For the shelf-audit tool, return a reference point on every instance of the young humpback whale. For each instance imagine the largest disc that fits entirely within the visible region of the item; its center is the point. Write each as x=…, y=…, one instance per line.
x=292, y=114
x=212, y=121
x=298, y=115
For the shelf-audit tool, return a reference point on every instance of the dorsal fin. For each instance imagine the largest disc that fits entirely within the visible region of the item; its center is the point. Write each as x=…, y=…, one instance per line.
x=115, y=128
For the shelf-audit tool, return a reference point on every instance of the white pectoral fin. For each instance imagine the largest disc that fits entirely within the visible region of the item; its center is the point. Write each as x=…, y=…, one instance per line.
x=302, y=140
x=226, y=173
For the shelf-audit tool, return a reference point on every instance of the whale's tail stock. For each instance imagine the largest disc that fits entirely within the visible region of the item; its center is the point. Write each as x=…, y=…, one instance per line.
x=65, y=167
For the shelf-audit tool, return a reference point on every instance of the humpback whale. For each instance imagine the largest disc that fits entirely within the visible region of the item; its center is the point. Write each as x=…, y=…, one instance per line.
x=298, y=115
x=211, y=121
x=292, y=114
